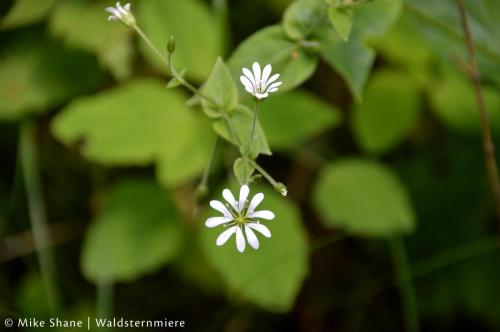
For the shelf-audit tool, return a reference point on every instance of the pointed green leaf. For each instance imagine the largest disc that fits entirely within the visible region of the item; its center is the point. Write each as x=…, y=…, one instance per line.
x=302, y=18
x=342, y=19
x=221, y=89
x=242, y=170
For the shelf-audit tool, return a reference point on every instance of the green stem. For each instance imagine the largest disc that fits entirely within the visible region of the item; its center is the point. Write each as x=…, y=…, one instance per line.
x=255, y=116
x=105, y=299
x=405, y=284
x=202, y=187
x=186, y=84
x=36, y=207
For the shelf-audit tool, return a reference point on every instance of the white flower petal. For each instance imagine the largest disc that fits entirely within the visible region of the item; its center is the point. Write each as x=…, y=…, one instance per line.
x=240, y=239
x=246, y=83
x=216, y=221
x=272, y=90
x=271, y=80
x=244, y=190
x=261, y=95
x=127, y=6
x=224, y=236
x=264, y=214
x=274, y=85
x=219, y=206
x=260, y=228
x=228, y=196
x=249, y=75
x=251, y=238
x=256, y=72
x=265, y=74
x=113, y=11
x=255, y=202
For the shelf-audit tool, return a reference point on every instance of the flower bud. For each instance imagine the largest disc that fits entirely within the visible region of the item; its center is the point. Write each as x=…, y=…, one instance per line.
x=171, y=45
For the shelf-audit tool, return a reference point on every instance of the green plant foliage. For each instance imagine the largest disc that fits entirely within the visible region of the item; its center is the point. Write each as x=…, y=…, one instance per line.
x=84, y=25
x=353, y=59
x=242, y=119
x=271, y=46
x=32, y=297
x=292, y=117
x=342, y=19
x=37, y=74
x=387, y=113
x=25, y=12
x=162, y=127
x=270, y=277
x=197, y=32
x=303, y=17
x=454, y=101
x=363, y=198
x=221, y=89
x=136, y=232
x=242, y=170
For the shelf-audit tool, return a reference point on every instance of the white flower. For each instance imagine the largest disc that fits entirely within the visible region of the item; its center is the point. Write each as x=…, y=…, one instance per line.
x=240, y=218
x=121, y=13
x=258, y=83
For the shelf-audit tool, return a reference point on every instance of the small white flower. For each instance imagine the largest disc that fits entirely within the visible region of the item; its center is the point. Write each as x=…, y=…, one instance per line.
x=241, y=218
x=259, y=84
x=121, y=13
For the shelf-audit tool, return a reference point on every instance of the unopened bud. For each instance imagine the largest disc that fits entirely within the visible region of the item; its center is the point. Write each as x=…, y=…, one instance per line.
x=171, y=45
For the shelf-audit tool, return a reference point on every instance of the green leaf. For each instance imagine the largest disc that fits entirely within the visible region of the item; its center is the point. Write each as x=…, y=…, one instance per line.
x=454, y=101
x=37, y=74
x=342, y=19
x=353, y=59
x=272, y=275
x=174, y=82
x=25, y=12
x=388, y=112
x=187, y=158
x=221, y=89
x=302, y=18
x=364, y=198
x=137, y=124
x=242, y=170
x=270, y=46
x=242, y=119
x=295, y=116
x=83, y=25
x=136, y=232
x=197, y=32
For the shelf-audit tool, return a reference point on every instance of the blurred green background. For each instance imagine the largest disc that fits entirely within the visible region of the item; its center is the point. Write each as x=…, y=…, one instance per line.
x=389, y=224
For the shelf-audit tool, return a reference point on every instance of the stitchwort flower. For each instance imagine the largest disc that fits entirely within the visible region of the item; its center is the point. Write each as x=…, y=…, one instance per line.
x=121, y=13
x=259, y=83
x=240, y=218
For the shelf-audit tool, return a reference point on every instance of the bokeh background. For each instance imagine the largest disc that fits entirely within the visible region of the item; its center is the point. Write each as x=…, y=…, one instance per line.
x=389, y=223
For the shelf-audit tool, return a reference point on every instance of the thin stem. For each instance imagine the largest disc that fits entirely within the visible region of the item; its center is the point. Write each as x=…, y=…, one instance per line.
x=263, y=172
x=440, y=25
x=36, y=207
x=407, y=291
x=204, y=179
x=186, y=84
x=255, y=116
x=488, y=145
x=105, y=299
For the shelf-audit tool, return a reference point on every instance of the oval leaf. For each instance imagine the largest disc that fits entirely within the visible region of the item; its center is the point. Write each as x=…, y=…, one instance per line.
x=363, y=198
